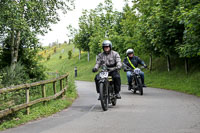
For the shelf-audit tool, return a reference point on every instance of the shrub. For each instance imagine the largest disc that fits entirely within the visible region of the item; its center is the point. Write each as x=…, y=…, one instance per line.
x=69, y=54
x=14, y=76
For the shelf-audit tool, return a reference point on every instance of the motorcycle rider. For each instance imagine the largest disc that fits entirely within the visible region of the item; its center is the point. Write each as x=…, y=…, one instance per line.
x=112, y=60
x=132, y=61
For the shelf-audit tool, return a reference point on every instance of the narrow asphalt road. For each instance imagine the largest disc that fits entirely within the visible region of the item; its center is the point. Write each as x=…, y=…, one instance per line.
x=157, y=111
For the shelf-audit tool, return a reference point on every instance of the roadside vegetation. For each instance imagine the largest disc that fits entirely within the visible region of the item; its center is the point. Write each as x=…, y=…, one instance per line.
x=163, y=33
x=158, y=77
x=55, y=66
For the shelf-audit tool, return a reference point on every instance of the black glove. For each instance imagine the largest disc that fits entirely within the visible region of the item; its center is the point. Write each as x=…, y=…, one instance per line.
x=94, y=70
x=145, y=66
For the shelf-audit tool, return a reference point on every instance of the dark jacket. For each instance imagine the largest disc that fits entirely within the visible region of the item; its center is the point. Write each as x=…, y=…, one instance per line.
x=135, y=61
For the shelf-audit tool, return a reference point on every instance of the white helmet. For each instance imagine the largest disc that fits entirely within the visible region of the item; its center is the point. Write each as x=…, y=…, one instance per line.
x=129, y=51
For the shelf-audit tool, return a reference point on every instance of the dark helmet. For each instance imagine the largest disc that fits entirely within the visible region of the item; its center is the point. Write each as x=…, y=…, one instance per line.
x=107, y=43
x=129, y=51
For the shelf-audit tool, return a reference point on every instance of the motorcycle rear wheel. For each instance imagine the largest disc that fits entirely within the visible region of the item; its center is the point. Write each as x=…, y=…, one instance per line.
x=103, y=96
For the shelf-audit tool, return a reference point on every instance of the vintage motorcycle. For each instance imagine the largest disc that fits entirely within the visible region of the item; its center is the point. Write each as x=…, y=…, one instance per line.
x=136, y=79
x=106, y=88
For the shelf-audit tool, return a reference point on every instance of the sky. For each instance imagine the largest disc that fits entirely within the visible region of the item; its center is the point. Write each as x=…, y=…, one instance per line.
x=59, y=30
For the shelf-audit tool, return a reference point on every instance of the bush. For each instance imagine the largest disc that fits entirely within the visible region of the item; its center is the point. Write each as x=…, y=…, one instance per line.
x=69, y=54
x=49, y=56
x=14, y=76
x=1, y=77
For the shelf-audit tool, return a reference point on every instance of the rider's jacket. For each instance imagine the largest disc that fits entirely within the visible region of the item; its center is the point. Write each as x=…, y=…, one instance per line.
x=134, y=60
x=111, y=59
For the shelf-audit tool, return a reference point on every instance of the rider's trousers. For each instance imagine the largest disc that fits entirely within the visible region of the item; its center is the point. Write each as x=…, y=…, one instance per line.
x=128, y=74
x=116, y=80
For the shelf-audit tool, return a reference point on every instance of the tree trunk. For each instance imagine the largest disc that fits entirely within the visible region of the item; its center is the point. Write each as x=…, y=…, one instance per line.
x=15, y=41
x=186, y=65
x=88, y=56
x=12, y=44
x=79, y=54
x=150, y=62
x=168, y=63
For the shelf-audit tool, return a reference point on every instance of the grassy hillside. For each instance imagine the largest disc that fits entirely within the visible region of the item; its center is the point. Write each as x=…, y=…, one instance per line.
x=159, y=77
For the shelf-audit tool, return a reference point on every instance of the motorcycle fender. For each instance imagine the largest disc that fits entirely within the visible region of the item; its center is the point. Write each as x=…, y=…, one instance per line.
x=101, y=80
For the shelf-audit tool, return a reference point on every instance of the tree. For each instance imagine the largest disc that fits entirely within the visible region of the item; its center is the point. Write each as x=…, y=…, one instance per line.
x=162, y=28
x=189, y=16
x=34, y=17
x=95, y=26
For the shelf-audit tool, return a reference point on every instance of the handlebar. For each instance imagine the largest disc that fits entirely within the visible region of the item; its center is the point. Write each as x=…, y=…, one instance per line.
x=126, y=67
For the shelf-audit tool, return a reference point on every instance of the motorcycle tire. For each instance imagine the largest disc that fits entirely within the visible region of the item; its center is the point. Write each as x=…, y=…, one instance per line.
x=114, y=101
x=133, y=84
x=103, y=96
x=140, y=86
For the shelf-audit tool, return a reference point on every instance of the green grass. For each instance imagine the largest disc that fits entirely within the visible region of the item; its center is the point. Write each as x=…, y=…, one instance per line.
x=159, y=78
x=36, y=112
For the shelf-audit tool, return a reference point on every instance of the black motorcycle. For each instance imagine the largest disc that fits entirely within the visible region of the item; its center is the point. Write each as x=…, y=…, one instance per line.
x=106, y=89
x=136, y=79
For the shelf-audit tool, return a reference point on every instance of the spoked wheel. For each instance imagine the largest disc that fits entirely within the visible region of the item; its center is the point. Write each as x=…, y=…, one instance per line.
x=140, y=86
x=103, y=96
x=134, y=84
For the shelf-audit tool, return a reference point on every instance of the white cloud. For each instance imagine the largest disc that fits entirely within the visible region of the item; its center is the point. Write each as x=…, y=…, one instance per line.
x=59, y=30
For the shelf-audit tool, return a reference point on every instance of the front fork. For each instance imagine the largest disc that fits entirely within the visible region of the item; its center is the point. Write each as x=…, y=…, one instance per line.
x=135, y=81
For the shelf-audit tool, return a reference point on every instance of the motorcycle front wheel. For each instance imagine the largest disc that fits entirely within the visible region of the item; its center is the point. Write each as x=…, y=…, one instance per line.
x=103, y=96
x=140, y=85
x=134, y=84
x=114, y=101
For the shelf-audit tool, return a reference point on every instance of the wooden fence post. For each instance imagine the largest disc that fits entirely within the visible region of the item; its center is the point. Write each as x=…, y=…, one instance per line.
x=54, y=87
x=43, y=92
x=27, y=101
x=66, y=83
x=61, y=85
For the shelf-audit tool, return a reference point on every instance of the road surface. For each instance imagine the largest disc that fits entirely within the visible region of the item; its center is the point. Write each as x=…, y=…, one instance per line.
x=157, y=111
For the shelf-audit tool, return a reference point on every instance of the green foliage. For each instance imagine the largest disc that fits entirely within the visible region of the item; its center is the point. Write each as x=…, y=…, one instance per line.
x=20, y=23
x=48, y=57
x=190, y=18
x=29, y=59
x=36, y=112
x=1, y=77
x=69, y=54
x=39, y=110
x=14, y=76
x=95, y=26
x=155, y=27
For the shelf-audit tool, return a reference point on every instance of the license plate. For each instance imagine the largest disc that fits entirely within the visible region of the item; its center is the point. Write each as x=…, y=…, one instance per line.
x=137, y=70
x=103, y=74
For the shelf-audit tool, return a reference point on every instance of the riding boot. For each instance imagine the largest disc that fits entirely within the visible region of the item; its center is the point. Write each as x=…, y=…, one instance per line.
x=118, y=96
x=130, y=86
x=143, y=82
